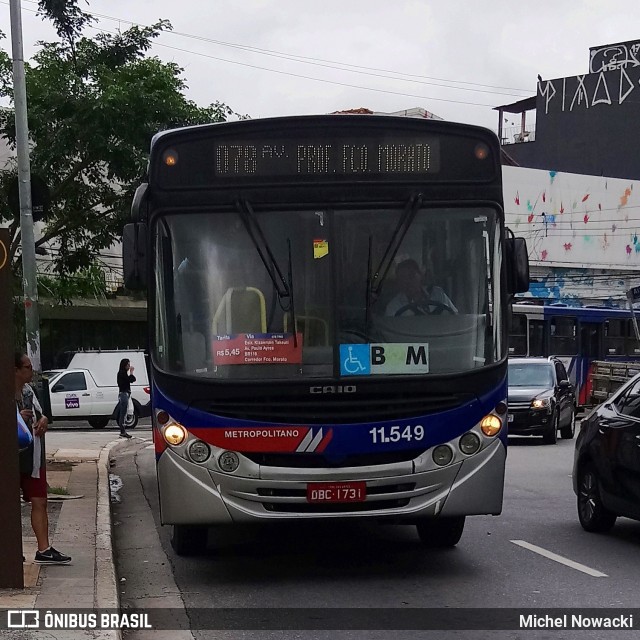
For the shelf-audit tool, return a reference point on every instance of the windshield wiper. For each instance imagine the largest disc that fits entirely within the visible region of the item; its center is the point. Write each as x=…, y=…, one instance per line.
x=411, y=208
x=247, y=215
x=283, y=287
x=375, y=281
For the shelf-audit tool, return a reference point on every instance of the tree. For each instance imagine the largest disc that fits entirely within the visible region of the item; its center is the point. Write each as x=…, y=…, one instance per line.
x=93, y=106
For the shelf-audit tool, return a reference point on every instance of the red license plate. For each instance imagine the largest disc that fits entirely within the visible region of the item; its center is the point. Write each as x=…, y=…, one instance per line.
x=336, y=491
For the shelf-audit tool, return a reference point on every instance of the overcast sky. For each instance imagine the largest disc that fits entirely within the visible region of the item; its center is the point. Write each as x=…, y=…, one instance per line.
x=386, y=56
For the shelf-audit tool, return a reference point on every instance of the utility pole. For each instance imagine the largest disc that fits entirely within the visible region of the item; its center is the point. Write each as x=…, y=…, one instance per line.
x=29, y=278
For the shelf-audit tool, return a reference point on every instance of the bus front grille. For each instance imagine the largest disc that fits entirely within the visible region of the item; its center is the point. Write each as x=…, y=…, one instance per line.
x=329, y=409
x=318, y=461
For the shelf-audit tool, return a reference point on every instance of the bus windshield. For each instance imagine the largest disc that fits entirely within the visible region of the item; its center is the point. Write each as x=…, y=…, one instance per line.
x=333, y=282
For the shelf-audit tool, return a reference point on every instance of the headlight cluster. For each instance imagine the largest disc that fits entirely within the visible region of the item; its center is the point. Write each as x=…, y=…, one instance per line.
x=198, y=451
x=468, y=444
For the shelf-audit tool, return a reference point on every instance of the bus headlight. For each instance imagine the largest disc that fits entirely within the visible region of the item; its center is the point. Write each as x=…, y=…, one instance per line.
x=442, y=455
x=174, y=434
x=229, y=461
x=199, y=451
x=469, y=443
x=490, y=425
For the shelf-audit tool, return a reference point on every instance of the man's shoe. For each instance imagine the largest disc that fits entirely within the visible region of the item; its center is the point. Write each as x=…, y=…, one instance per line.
x=51, y=556
x=125, y=435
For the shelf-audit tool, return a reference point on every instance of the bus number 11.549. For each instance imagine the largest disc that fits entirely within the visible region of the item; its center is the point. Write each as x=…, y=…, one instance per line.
x=381, y=435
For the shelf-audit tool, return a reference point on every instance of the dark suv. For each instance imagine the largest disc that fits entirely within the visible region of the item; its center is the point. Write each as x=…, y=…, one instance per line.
x=606, y=466
x=541, y=399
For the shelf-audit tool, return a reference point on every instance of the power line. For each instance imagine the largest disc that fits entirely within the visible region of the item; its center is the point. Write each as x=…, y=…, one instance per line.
x=343, y=66
x=304, y=77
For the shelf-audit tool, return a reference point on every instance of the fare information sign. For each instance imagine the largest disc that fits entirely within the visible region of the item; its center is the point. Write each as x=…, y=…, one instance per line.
x=257, y=348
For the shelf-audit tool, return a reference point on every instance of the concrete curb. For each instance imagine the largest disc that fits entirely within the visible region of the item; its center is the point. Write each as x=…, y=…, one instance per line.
x=106, y=590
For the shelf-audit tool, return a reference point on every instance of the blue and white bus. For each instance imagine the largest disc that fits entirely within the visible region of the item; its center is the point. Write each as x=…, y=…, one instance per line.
x=577, y=335
x=288, y=382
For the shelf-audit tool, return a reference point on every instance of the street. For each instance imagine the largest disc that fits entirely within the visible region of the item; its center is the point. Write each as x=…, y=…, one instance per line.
x=534, y=555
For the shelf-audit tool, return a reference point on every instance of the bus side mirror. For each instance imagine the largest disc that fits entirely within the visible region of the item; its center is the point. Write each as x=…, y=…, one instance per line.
x=517, y=265
x=134, y=255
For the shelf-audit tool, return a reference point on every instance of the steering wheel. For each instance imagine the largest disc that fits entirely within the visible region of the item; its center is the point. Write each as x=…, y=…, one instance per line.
x=439, y=307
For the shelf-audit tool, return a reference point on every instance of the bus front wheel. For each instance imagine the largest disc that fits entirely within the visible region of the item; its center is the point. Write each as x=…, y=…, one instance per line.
x=188, y=540
x=441, y=532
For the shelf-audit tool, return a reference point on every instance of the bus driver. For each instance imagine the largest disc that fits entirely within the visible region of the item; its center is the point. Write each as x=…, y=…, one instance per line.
x=414, y=299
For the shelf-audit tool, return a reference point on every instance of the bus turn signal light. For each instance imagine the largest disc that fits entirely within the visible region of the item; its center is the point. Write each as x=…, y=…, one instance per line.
x=170, y=157
x=490, y=425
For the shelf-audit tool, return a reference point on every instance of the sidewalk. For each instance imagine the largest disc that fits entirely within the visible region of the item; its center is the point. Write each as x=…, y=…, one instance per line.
x=80, y=525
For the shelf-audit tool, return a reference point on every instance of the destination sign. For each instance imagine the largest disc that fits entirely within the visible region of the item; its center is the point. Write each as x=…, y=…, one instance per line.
x=328, y=150
x=408, y=155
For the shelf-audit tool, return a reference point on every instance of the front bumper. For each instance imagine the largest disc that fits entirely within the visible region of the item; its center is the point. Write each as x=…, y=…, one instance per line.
x=528, y=422
x=193, y=494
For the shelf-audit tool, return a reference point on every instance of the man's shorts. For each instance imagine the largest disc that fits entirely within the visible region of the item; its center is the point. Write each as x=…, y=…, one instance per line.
x=34, y=487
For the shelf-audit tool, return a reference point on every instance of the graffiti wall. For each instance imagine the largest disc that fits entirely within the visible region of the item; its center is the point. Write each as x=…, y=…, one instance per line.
x=614, y=56
x=587, y=123
x=582, y=232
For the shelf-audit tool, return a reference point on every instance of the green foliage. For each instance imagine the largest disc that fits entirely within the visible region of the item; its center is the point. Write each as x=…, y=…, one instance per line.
x=94, y=104
x=89, y=282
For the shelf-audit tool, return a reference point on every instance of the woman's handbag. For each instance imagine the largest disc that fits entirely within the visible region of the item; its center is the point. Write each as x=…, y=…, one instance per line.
x=130, y=410
x=25, y=439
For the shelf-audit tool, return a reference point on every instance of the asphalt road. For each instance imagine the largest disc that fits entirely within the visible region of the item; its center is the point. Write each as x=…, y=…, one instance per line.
x=534, y=555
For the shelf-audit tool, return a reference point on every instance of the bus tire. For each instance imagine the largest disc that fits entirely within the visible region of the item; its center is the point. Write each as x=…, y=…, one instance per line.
x=99, y=423
x=569, y=431
x=593, y=515
x=188, y=540
x=551, y=437
x=441, y=532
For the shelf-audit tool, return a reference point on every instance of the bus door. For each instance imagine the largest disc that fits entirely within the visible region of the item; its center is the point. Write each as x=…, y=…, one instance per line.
x=590, y=350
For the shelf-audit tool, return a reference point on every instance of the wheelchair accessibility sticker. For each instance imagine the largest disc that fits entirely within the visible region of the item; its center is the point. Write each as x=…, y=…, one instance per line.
x=385, y=358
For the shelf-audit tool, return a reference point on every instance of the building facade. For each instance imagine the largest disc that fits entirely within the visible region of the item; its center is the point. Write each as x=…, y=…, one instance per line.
x=575, y=192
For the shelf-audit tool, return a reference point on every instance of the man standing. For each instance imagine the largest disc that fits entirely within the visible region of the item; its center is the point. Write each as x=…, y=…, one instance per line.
x=33, y=467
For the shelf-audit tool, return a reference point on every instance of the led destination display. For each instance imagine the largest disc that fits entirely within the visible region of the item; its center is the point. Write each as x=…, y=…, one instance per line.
x=403, y=151
x=308, y=157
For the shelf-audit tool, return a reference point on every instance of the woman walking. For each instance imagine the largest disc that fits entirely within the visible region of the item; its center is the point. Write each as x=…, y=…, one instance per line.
x=125, y=378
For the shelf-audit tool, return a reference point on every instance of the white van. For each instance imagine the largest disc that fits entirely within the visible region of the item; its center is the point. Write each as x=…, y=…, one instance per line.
x=87, y=389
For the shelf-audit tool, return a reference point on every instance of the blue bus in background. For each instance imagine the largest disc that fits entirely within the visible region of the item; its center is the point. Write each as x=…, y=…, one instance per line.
x=577, y=335
x=328, y=300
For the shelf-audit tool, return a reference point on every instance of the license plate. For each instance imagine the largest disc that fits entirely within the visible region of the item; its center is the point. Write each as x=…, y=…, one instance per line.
x=336, y=491
x=510, y=418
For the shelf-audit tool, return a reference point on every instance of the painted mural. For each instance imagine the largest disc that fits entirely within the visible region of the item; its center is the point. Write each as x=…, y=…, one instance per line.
x=582, y=232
